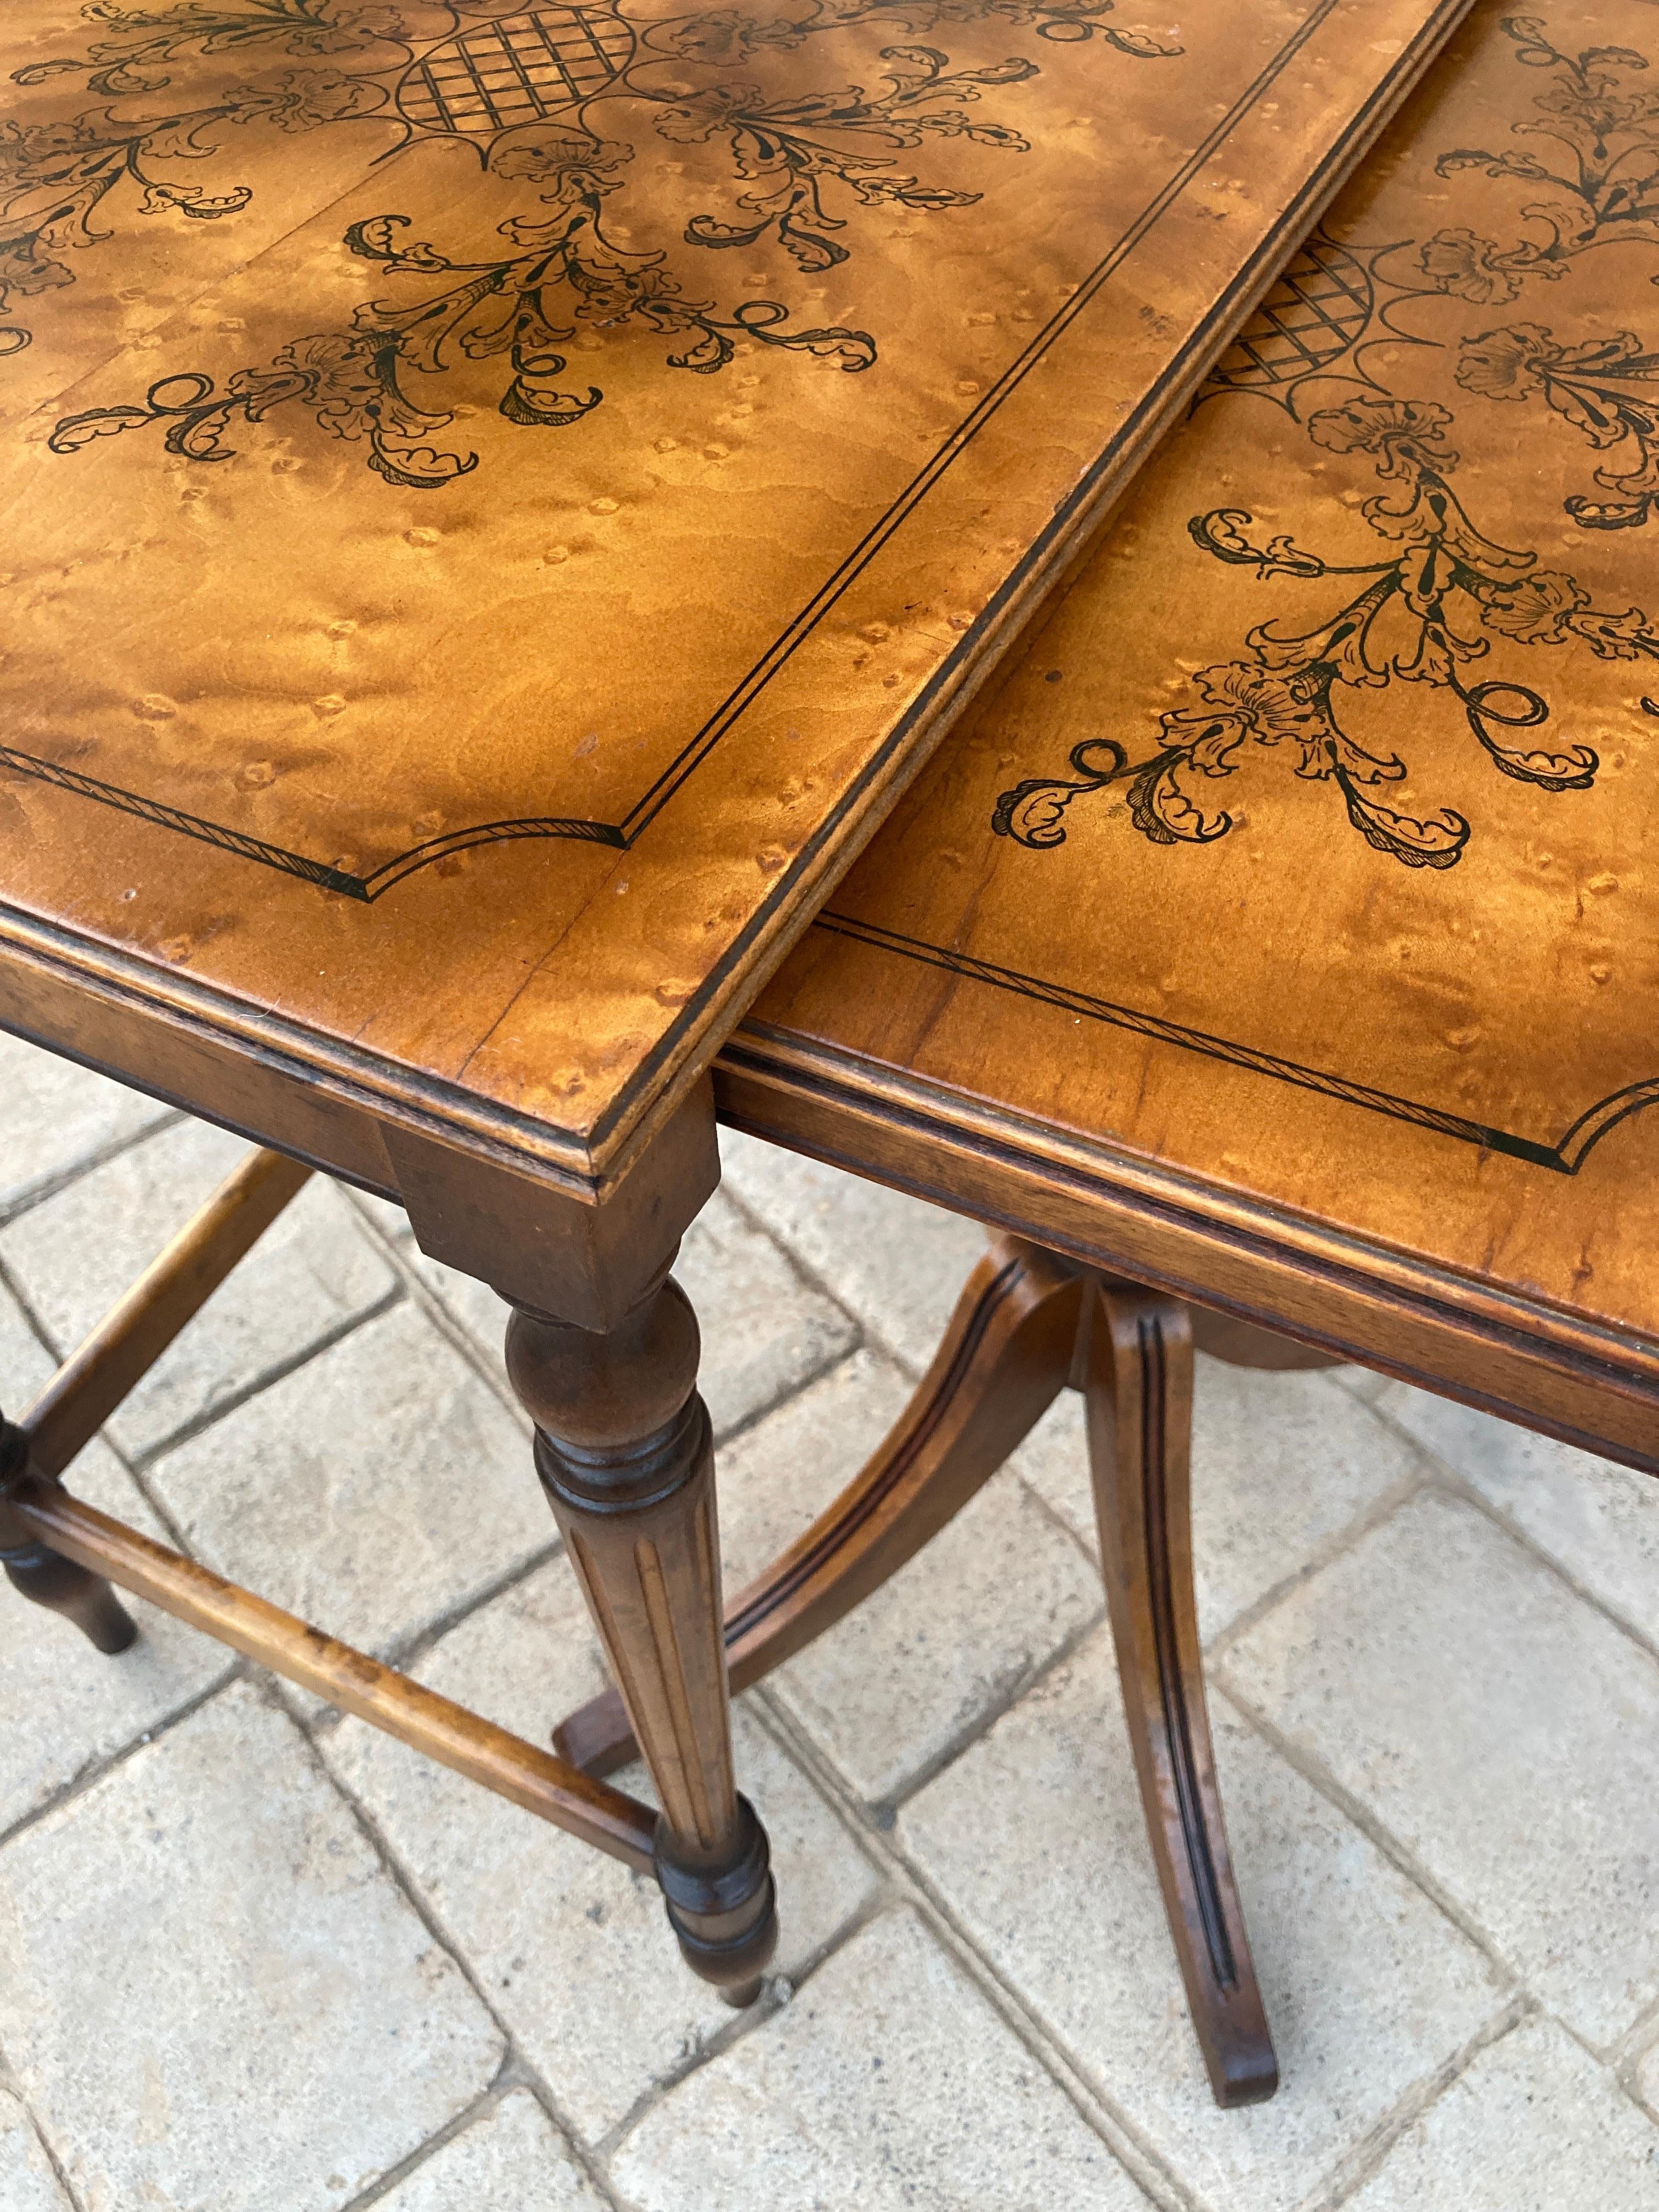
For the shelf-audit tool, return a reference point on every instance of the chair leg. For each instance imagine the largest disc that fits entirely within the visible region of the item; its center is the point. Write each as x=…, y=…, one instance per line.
x=1137, y=1355
x=623, y=1452
x=45, y=1578
x=1005, y=1356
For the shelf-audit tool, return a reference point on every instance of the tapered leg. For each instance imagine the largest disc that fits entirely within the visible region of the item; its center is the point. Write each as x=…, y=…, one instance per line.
x=45, y=1577
x=623, y=1450
x=1137, y=1359
x=1004, y=1359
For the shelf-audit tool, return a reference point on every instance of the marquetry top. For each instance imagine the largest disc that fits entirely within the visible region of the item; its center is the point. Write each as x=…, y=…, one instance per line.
x=1311, y=850
x=498, y=497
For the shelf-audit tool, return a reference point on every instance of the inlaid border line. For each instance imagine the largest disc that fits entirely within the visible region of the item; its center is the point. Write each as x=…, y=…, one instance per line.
x=1565, y=1157
x=366, y=889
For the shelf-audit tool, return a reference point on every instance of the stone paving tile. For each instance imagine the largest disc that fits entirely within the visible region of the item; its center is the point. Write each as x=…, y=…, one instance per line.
x=1646, y=2078
x=512, y=2160
x=979, y=1612
x=58, y=1114
x=765, y=1333
x=214, y=1995
x=371, y=1490
x=1366, y=1384
x=573, y=1948
x=390, y=1220
x=27, y=2183
x=1534, y=2126
x=67, y=1705
x=1281, y=1463
x=1054, y=1462
x=1035, y=1838
x=1598, y=1521
x=775, y=1479
x=78, y=1252
x=955, y=1635
x=899, y=1265
x=1499, y=1727
x=204, y=1934
x=888, y=2084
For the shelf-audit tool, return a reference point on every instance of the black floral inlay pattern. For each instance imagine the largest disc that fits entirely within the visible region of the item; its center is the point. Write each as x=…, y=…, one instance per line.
x=1429, y=609
x=531, y=89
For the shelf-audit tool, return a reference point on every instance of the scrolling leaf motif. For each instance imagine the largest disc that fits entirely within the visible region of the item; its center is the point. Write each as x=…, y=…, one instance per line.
x=1607, y=190
x=1435, y=607
x=464, y=69
x=567, y=273
x=56, y=174
x=788, y=149
x=1292, y=690
x=1607, y=194
x=351, y=382
x=1597, y=388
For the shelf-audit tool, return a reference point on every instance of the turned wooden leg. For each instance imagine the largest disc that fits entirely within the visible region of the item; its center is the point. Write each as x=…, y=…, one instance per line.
x=46, y=1578
x=1005, y=1356
x=1138, y=1360
x=623, y=1450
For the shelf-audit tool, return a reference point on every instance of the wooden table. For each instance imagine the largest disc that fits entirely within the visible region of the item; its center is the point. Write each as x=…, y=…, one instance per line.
x=498, y=501
x=1285, y=928
x=1278, y=940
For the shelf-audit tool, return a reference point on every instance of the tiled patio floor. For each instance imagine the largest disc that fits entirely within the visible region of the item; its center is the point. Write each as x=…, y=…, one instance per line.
x=254, y=1958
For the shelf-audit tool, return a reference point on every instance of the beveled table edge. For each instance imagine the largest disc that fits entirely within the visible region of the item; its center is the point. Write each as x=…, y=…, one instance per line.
x=1489, y=1345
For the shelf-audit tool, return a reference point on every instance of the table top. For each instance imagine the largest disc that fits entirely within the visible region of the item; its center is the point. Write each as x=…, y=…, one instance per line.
x=1310, y=851
x=498, y=500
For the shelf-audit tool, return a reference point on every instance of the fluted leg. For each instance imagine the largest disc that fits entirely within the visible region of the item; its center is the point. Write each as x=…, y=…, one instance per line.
x=623, y=1452
x=45, y=1578
x=1003, y=1361
x=1139, y=1357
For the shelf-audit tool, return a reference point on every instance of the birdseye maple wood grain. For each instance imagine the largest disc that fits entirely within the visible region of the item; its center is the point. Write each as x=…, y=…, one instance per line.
x=470, y=587
x=1284, y=926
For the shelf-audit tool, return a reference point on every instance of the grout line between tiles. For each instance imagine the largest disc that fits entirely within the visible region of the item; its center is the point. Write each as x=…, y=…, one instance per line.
x=157, y=1505
x=61, y=1179
x=1324, y=1554
x=89, y=1777
x=806, y=1275
x=1075, y=1536
x=13, y=1282
x=1371, y=2154
x=586, y=2164
x=152, y=1496
x=785, y=1394
x=904, y=1885
x=60, y=2171
x=9, y=2081
x=1142, y=2162
x=1450, y=1482
x=514, y=2073
x=404, y=1882
x=406, y=1652
x=402, y=1258
x=211, y=1415
x=1624, y=2055
x=883, y=1812
x=1360, y=1815
x=1448, y=1477
x=1624, y=2074
x=457, y=2124
x=781, y=1991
